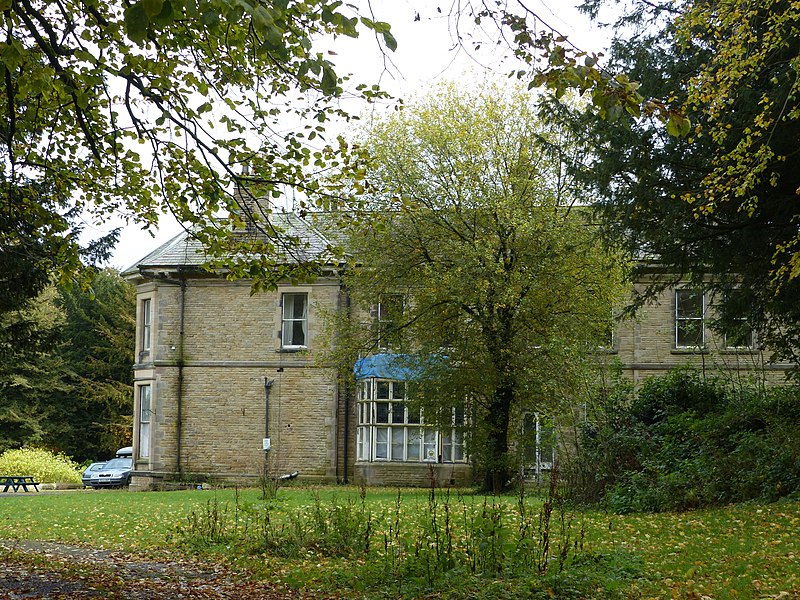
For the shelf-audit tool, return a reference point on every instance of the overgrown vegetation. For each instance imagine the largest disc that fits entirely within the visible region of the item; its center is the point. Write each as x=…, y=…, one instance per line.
x=684, y=441
x=712, y=552
x=523, y=547
x=44, y=466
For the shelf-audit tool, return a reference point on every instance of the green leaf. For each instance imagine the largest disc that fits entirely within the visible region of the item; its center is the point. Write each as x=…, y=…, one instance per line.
x=136, y=22
x=329, y=81
x=82, y=99
x=673, y=127
x=389, y=40
x=152, y=7
x=210, y=18
x=166, y=16
x=13, y=55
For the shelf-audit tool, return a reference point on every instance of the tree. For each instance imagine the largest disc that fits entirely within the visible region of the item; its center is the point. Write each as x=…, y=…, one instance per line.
x=30, y=371
x=97, y=352
x=719, y=207
x=504, y=287
x=65, y=369
x=134, y=108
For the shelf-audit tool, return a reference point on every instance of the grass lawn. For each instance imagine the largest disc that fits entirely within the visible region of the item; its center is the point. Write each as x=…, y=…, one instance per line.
x=745, y=551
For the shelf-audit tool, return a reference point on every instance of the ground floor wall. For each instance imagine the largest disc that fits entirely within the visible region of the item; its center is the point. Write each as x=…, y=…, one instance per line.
x=413, y=474
x=209, y=422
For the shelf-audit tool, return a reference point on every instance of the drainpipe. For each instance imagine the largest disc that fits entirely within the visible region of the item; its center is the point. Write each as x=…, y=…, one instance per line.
x=346, y=391
x=267, y=444
x=179, y=399
x=267, y=387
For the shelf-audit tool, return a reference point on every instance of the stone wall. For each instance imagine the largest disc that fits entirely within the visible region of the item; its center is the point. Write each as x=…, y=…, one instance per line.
x=413, y=474
x=215, y=375
x=645, y=347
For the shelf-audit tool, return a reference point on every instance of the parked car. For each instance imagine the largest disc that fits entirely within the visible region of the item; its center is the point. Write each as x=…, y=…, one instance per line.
x=115, y=473
x=86, y=478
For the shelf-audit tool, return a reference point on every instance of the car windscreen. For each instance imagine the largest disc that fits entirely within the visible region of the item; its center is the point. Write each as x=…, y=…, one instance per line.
x=118, y=463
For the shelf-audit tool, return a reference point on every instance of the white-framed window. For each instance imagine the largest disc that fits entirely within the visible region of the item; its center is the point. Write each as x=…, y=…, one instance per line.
x=388, y=315
x=740, y=337
x=145, y=393
x=145, y=325
x=738, y=334
x=690, y=314
x=538, y=445
x=294, y=320
x=390, y=431
x=453, y=439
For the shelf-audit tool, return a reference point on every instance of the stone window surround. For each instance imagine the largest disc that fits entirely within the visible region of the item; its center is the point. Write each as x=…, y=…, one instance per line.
x=284, y=291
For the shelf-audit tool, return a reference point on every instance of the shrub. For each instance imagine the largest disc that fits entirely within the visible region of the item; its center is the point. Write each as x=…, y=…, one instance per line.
x=43, y=465
x=685, y=442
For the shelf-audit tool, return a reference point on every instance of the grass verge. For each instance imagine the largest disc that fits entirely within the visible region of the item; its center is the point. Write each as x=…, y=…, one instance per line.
x=486, y=548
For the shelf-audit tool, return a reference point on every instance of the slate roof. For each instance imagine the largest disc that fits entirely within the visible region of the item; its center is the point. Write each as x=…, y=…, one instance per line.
x=184, y=250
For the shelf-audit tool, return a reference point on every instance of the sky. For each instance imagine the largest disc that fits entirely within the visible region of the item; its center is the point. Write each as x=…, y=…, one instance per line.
x=427, y=51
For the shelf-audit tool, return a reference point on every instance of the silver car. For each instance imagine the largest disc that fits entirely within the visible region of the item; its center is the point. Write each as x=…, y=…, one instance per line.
x=86, y=478
x=115, y=473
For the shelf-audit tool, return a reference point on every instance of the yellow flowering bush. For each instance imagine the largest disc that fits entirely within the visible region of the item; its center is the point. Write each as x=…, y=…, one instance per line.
x=44, y=466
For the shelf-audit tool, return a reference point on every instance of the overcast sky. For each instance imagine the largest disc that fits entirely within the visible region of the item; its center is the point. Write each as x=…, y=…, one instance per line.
x=427, y=51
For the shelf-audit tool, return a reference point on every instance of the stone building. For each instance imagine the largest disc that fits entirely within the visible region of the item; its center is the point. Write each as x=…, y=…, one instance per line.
x=221, y=375
x=676, y=329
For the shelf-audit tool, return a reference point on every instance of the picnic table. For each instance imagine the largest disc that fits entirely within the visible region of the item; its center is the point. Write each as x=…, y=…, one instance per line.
x=15, y=482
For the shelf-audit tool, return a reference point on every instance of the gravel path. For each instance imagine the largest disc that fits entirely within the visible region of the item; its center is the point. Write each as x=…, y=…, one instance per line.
x=34, y=569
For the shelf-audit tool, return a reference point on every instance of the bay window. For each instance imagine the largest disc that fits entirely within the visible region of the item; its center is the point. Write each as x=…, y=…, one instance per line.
x=389, y=430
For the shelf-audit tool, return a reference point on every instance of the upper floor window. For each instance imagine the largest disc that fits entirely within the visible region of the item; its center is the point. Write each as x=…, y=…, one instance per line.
x=690, y=314
x=146, y=328
x=294, y=320
x=389, y=313
x=741, y=337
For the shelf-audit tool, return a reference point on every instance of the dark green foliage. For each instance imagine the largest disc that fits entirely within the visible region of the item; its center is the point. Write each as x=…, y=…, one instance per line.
x=67, y=385
x=653, y=187
x=684, y=442
x=29, y=371
x=97, y=351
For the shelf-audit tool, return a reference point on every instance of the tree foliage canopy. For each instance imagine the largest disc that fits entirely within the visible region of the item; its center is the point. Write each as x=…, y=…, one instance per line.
x=719, y=207
x=138, y=108
x=498, y=268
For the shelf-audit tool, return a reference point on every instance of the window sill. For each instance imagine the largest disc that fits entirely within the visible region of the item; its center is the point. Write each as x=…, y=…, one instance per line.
x=400, y=463
x=293, y=349
x=604, y=350
x=690, y=351
x=743, y=350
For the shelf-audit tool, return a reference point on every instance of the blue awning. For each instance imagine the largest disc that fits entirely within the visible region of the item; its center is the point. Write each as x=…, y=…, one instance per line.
x=399, y=367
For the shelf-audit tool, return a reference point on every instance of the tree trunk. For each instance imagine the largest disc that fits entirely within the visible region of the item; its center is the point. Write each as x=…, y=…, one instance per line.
x=498, y=476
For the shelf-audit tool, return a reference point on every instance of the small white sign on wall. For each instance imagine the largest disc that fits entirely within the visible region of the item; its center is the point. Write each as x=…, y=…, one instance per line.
x=266, y=444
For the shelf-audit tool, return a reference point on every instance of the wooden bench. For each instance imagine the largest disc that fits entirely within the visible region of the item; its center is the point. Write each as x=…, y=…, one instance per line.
x=15, y=482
